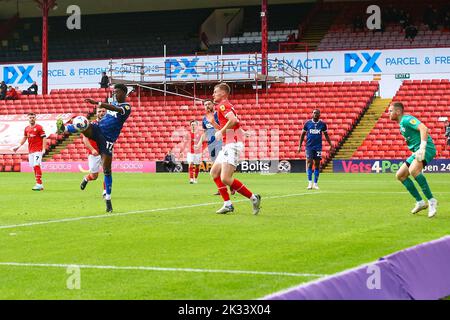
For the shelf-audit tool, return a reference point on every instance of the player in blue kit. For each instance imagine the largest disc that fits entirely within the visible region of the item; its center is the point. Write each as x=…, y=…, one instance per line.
x=210, y=124
x=313, y=129
x=105, y=132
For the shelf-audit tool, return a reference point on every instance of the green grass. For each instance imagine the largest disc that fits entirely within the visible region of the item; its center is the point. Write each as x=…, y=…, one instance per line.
x=352, y=220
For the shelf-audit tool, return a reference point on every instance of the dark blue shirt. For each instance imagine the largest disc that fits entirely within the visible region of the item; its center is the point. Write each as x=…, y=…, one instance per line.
x=111, y=124
x=209, y=128
x=314, y=132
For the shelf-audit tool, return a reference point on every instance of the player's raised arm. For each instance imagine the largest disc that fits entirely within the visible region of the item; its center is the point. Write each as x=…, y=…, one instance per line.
x=105, y=105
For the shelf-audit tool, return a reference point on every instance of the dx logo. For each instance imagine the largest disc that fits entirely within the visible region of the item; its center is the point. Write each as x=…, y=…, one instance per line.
x=10, y=74
x=182, y=68
x=353, y=62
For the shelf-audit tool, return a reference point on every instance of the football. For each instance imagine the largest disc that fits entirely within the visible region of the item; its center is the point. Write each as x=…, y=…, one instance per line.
x=80, y=123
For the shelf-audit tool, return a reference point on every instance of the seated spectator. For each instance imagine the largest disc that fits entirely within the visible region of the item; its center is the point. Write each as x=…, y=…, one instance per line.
x=33, y=89
x=169, y=162
x=411, y=32
x=291, y=37
x=104, y=82
x=3, y=90
x=12, y=94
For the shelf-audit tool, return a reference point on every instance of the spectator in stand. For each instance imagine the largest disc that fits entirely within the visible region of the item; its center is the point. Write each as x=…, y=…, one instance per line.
x=291, y=37
x=410, y=32
x=204, y=40
x=358, y=24
x=447, y=133
x=169, y=162
x=104, y=82
x=12, y=94
x=33, y=89
x=3, y=90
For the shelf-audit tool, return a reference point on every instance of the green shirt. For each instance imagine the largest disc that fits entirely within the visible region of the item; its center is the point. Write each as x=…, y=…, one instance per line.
x=409, y=128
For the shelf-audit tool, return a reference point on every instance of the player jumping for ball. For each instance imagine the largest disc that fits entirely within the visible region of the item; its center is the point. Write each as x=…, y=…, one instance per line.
x=313, y=130
x=94, y=157
x=228, y=158
x=106, y=132
x=37, y=144
x=420, y=143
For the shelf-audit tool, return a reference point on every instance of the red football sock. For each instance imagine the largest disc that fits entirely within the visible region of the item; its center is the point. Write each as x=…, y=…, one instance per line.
x=239, y=187
x=191, y=172
x=197, y=169
x=222, y=189
x=38, y=174
x=89, y=177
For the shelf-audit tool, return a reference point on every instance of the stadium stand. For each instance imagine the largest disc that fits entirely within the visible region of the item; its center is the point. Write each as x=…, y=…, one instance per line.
x=348, y=33
x=425, y=99
x=101, y=38
x=147, y=136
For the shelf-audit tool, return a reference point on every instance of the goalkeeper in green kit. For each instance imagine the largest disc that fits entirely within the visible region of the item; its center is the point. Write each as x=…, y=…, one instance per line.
x=424, y=150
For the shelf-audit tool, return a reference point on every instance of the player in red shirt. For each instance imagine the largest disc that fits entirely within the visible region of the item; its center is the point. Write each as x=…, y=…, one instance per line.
x=94, y=158
x=37, y=144
x=195, y=151
x=228, y=159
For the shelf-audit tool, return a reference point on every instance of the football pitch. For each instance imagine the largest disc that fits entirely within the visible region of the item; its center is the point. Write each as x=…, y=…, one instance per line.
x=165, y=241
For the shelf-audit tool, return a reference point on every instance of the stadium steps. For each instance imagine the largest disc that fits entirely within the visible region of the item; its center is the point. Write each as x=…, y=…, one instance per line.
x=61, y=146
x=360, y=132
x=318, y=28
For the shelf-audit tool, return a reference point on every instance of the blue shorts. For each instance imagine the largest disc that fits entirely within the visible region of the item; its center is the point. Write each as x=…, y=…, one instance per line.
x=314, y=154
x=214, y=149
x=104, y=146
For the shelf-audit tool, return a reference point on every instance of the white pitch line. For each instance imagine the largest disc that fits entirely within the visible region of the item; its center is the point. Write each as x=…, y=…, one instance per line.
x=140, y=212
x=143, y=268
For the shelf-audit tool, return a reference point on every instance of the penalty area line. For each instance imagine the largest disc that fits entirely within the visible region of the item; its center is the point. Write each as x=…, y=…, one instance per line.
x=120, y=214
x=146, y=268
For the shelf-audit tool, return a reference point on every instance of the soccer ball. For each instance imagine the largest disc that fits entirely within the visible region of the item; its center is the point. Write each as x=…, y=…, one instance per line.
x=80, y=123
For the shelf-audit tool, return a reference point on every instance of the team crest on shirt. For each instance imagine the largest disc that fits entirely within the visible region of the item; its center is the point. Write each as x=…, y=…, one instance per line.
x=127, y=107
x=413, y=121
x=222, y=108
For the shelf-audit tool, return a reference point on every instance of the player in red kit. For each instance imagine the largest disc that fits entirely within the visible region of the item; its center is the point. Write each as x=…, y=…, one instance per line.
x=94, y=158
x=228, y=159
x=37, y=144
x=195, y=152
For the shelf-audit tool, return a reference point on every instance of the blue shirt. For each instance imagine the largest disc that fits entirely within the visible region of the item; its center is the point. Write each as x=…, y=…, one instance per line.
x=314, y=132
x=209, y=128
x=111, y=124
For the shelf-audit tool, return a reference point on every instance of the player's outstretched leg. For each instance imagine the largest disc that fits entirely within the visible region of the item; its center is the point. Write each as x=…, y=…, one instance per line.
x=38, y=176
x=196, y=171
x=403, y=176
x=107, y=160
x=222, y=189
x=316, y=173
x=309, y=172
x=86, y=179
x=227, y=178
x=416, y=171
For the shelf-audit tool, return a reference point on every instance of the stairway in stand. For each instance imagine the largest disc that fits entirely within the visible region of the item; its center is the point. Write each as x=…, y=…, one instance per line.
x=361, y=131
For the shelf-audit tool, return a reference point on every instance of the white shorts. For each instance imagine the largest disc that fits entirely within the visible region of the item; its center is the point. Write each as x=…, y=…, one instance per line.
x=230, y=154
x=94, y=163
x=193, y=158
x=35, y=159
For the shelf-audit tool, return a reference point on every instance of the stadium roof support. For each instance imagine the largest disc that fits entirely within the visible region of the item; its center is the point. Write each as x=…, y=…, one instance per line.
x=264, y=37
x=45, y=6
